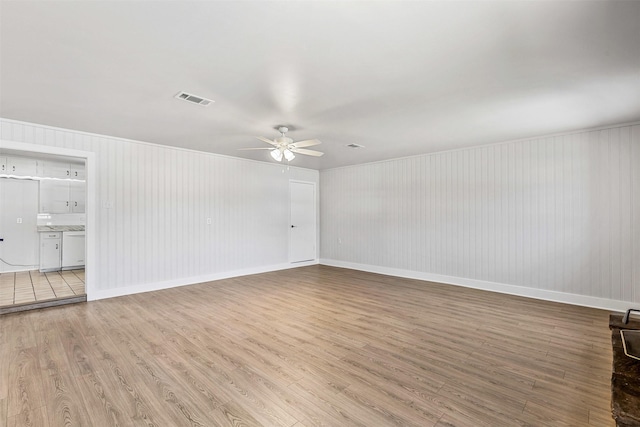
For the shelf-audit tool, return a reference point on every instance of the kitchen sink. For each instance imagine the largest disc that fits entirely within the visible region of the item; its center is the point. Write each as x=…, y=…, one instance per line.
x=631, y=342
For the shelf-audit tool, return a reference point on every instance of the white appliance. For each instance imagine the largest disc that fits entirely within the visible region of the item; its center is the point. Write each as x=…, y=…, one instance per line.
x=72, y=249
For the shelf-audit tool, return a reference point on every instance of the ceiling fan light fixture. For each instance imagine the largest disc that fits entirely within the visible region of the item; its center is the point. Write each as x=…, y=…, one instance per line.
x=284, y=147
x=277, y=155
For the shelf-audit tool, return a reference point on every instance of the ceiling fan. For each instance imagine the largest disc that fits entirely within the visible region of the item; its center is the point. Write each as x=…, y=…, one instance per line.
x=284, y=147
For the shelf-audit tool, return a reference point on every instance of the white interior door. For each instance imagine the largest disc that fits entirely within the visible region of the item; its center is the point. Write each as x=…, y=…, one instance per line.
x=303, y=232
x=19, y=248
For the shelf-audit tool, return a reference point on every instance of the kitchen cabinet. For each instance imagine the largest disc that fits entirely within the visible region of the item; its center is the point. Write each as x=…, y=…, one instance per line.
x=20, y=166
x=53, y=169
x=77, y=171
x=62, y=189
x=77, y=197
x=50, y=251
x=54, y=196
x=62, y=196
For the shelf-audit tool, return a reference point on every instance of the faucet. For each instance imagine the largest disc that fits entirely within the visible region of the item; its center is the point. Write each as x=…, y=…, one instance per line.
x=625, y=319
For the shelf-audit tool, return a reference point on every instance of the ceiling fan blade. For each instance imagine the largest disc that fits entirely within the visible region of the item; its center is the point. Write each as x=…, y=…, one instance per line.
x=306, y=152
x=305, y=143
x=268, y=141
x=261, y=148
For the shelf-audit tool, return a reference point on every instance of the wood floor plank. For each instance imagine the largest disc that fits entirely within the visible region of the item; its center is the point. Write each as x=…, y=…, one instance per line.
x=313, y=346
x=200, y=390
x=5, y=356
x=33, y=418
x=232, y=415
x=139, y=406
x=25, y=392
x=394, y=406
x=64, y=403
x=327, y=401
x=3, y=410
x=101, y=406
x=163, y=387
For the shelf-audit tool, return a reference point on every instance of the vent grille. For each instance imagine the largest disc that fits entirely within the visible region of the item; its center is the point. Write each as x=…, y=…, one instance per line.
x=355, y=146
x=194, y=99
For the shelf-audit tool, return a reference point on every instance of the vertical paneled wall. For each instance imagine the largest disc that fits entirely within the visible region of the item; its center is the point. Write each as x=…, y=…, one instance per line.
x=153, y=203
x=557, y=214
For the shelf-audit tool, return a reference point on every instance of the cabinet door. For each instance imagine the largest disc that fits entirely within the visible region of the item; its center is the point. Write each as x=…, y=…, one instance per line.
x=77, y=197
x=50, y=254
x=54, y=196
x=21, y=166
x=77, y=172
x=51, y=169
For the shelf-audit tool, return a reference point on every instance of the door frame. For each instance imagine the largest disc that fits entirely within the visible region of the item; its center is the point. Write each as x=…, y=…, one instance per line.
x=90, y=211
x=317, y=216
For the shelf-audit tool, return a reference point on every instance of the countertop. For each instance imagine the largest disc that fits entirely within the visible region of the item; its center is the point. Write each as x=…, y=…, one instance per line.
x=625, y=378
x=51, y=228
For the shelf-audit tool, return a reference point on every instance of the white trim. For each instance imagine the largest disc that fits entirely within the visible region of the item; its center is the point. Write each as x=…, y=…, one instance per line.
x=20, y=269
x=149, y=287
x=503, y=288
x=491, y=144
x=152, y=144
x=90, y=206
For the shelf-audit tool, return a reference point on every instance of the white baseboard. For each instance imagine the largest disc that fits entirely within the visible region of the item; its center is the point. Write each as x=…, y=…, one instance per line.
x=14, y=269
x=156, y=286
x=563, y=297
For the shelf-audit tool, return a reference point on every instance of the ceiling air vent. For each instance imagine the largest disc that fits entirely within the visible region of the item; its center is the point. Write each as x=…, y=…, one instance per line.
x=355, y=146
x=195, y=99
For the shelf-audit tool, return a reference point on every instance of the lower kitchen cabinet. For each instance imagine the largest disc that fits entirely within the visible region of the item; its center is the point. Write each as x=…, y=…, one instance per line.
x=50, y=251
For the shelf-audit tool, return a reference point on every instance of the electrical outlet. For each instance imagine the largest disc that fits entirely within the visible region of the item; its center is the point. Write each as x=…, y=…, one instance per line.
x=208, y=221
x=19, y=221
x=339, y=241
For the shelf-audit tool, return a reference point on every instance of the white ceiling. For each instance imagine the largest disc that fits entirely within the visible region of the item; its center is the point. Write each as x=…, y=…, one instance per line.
x=400, y=78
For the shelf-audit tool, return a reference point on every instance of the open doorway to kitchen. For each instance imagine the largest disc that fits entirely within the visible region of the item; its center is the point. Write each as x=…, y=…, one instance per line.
x=43, y=226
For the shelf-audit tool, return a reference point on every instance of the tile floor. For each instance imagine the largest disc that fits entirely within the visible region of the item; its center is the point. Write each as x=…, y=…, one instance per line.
x=32, y=286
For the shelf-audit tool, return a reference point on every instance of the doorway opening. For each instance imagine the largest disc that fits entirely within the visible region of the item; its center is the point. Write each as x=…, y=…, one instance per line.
x=44, y=194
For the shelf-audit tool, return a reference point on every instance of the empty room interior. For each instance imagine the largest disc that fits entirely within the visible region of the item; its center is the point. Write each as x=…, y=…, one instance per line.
x=318, y=213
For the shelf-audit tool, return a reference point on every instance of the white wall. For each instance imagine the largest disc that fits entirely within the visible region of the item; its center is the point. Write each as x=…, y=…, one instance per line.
x=152, y=203
x=19, y=251
x=555, y=217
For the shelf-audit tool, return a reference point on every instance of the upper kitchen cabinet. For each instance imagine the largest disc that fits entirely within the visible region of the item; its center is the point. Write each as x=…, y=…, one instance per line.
x=53, y=169
x=77, y=171
x=54, y=196
x=58, y=196
x=77, y=197
x=62, y=187
x=19, y=166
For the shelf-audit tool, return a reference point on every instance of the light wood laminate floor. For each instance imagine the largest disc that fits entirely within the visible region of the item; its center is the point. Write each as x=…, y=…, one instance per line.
x=313, y=346
x=32, y=286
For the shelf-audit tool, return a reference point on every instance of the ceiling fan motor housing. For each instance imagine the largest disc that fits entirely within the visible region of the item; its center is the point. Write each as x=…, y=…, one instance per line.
x=283, y=140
